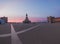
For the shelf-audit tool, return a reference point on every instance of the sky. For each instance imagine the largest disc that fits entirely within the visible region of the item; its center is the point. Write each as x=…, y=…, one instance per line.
x=37, y=10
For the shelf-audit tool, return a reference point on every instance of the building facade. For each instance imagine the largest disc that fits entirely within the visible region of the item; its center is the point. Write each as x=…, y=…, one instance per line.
x=53, y=19
x=3, y=20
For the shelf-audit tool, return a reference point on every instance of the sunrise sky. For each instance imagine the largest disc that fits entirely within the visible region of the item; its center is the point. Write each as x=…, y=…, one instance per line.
x=37, y=10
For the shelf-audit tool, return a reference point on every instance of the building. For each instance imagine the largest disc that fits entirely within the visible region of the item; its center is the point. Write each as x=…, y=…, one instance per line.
x=53, y=19
x=3, y=20
x=26, y=19
x=50, y=19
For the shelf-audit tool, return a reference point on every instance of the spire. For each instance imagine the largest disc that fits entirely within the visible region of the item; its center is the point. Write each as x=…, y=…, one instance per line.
x=26, y=15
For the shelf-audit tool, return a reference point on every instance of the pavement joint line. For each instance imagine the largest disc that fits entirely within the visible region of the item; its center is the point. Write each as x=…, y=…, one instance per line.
x=14, y=37
x=23, y=31
x=19, y=32
x=5, y=35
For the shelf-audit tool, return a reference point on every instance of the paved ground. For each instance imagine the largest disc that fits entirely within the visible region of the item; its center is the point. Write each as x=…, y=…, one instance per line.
x=5, y=29
x=19, y=27
x=43, y=33
x=5, y=40
x=14, y=38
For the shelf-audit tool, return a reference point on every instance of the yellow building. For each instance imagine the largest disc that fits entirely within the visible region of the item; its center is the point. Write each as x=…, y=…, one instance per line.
x=53, y=19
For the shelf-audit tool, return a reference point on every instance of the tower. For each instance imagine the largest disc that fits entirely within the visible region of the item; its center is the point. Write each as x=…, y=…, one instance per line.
x=26, y=19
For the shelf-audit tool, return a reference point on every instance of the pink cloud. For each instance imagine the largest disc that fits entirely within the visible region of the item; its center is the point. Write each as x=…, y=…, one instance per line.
x=15, y=20
x=21, y=19
x=37, y=19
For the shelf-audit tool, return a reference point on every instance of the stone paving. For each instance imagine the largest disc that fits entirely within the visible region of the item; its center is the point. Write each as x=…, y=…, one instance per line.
x=12, y=38
x=43, y=33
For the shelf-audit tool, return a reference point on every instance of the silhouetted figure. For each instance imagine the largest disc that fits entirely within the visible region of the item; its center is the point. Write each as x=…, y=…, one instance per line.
x=26, y=19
